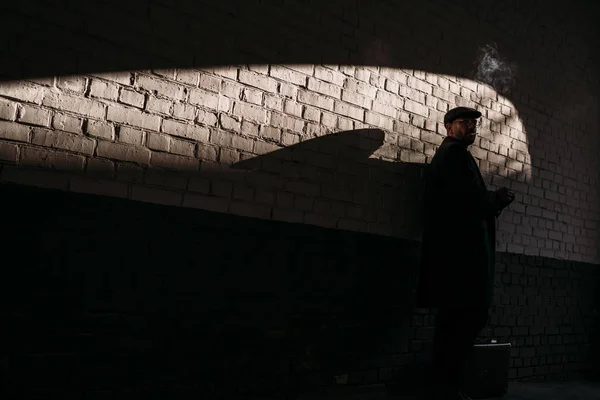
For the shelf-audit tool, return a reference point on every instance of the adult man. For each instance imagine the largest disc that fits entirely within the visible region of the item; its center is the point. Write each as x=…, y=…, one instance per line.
x=457, y=259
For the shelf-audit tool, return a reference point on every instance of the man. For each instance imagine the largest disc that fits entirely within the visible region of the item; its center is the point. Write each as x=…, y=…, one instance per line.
x=457, y=259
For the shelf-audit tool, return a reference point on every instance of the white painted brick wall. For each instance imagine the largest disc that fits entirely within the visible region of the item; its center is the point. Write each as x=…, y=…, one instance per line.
x=171, y=136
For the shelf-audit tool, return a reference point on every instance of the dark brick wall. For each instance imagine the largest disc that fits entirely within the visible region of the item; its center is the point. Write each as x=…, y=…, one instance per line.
x=112, y=297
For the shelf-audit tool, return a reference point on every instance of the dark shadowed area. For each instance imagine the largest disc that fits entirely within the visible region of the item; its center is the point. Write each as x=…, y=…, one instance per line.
x=107, y=297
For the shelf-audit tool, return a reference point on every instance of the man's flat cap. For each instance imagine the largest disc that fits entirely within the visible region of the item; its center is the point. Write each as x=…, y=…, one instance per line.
x=460, y=112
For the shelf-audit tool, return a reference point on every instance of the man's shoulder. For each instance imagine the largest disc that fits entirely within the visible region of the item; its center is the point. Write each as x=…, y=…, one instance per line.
x=450, y=148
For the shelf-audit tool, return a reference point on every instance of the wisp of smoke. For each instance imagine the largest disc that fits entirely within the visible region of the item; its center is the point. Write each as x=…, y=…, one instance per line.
x=493, y=70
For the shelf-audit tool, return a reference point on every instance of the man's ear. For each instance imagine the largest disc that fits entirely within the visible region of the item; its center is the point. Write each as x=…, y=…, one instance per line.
x=448, y=126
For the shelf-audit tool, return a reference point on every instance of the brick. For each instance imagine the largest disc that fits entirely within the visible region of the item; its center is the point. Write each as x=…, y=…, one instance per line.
x=257, y=80
x=8, y=152
x=273, y=102
x=210, y=203
x=264, y=197
x=225, y=104
x=379, y=120
x=496, y=158
x=8, y=110
x=416, y=108
x=252, y=96
x=22, y=91
x=288, y=75
x=250, y=112
x=101, y=187
x=183, y=147
x=131, y=135
x=99, y=167
x=132, y=98
x=49, y=159
x=155, y=195
x=62, y=140
x=356, y=99
x=261, y=147
x=312, y=114
x=227, y=72
x=285, y=215
x=228, y=156
x=362, y=74
x=158, y=142
x=123, y=152
x=100, y=129
x=293, y=108
x=249, y=128
x=348, y=110
x=288, y=91
x=287, y=122
x=67, y=123
x=48, y=81
x=168, y=73
x=172, y=161
x=206, y=152
x=159, y=106
x=392, y=86
x=389, y=99
x=34, y=177
x=420, y=85
x=325, y=88
x=14, y=131
x=187, y=131
x=160, y=87
x=205, y=99
x=306, y=69
x=436, y=139
x=34, y=115
x=210, y=83
x=384, y=109
x=270, y=132
x=73, y=83
x=129, y=172
x=329, y=75
x=166, y=178
x=184, y=111
x=249, y=210
x=206, y=118
x=345, y=124
x=77, y=105
x=124, y=78
x=260, y=68
x=365, y=89
x=231, y=89
x=187, y=76
x=229, y=123
x=133, y=117
x=104, y=90
x=221, y=138
x=329, y=120
x=315, y=100
x=199, y=185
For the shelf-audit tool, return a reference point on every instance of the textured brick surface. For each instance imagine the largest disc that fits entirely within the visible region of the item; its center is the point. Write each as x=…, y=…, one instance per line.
x=248, y=122
x=144, y=290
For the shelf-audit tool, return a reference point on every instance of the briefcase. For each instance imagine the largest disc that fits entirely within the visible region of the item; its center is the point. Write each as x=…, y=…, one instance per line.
x=486, y=370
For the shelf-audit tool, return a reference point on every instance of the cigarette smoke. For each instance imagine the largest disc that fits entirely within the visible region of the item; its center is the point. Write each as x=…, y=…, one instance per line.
x=493, y=70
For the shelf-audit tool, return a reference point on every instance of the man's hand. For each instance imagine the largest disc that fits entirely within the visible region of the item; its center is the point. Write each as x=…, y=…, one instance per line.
x=504, y=196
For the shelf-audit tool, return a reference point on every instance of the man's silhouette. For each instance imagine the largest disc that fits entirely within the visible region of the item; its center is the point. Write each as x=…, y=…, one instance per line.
x=457, y=260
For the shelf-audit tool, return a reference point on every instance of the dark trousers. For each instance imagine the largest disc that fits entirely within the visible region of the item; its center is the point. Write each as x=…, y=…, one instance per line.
x=455, y=333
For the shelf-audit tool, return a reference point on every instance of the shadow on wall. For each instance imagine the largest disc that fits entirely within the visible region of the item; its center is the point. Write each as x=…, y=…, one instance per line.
x=123, y=296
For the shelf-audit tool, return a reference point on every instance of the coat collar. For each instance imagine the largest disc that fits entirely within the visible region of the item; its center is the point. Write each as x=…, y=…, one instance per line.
x=450, y=139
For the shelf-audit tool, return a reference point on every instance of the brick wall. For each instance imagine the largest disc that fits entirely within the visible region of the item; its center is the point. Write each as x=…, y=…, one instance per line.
x=324, y=118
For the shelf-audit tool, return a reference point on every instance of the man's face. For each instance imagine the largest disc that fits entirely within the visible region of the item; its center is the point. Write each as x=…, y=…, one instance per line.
x=464, y=129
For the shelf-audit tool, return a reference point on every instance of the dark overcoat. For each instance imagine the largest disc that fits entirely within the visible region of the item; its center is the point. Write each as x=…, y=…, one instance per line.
x=459, y=242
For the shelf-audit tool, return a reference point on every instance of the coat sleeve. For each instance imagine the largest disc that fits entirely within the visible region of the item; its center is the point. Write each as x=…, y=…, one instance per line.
x=465, y=194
